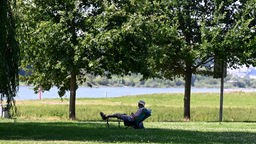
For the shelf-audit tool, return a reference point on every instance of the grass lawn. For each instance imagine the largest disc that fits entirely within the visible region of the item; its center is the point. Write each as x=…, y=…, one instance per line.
x=97, y=132
x=238, y=107
x=46, y=121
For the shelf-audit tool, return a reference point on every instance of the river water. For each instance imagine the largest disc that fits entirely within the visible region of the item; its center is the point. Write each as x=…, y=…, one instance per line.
x=27, y=92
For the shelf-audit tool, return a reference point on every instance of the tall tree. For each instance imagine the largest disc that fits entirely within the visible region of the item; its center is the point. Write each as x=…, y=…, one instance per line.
x=63, y=40
x=189, y=34
x=9, y=53
x=54, y=46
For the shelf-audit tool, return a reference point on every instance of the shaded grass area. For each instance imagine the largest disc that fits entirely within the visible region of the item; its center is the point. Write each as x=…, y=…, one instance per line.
x=96, y=132
x=238, y=106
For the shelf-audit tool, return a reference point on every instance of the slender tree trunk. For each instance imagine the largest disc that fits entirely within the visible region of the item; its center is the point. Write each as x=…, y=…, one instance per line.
x=73, y=86
x=187, y=94
x=72, y=101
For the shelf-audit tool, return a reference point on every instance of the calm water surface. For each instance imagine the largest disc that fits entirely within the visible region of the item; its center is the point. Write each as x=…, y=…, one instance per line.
x=26, y=92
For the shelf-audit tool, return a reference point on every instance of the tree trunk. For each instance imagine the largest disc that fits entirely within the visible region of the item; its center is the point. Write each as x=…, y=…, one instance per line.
x=72, y=101
x=187, y=94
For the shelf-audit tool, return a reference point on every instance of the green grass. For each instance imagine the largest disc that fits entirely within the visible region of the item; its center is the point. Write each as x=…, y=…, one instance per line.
x=238, y=107
x=46, y=121
x=97, y=132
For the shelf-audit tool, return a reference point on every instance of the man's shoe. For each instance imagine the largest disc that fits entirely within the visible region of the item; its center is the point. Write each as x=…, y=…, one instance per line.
x=103, y=116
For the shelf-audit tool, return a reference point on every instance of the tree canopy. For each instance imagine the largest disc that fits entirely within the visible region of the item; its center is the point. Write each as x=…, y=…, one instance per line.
x=64, y=40
x=189, y=35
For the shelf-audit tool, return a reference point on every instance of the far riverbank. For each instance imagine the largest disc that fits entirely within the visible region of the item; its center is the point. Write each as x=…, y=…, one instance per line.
x=27, y=92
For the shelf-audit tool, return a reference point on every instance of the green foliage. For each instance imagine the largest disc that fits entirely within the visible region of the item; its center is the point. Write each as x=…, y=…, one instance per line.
x=122, y=39
x=74, y=38
x=63, y=41
x=9, y=53
x=57, y=49
x=62, y=49
x=188, y=35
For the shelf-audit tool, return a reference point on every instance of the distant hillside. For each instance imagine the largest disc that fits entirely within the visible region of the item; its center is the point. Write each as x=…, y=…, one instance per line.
x=238, y=78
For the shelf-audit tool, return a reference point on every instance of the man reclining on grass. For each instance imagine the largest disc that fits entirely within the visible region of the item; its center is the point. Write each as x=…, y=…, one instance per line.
x=134, y=120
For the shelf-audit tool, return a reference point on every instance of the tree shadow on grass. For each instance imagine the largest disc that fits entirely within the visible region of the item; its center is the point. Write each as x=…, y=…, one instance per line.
x=93, y=131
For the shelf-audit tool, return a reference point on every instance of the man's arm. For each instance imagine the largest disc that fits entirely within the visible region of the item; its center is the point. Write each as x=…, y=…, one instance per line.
x=139, y=111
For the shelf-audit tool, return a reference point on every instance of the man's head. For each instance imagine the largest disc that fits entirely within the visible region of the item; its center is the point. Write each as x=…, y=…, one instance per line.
x=141, y=103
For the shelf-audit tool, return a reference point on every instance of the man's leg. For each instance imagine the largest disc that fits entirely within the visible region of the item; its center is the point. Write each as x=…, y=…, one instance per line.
x=116, y=115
